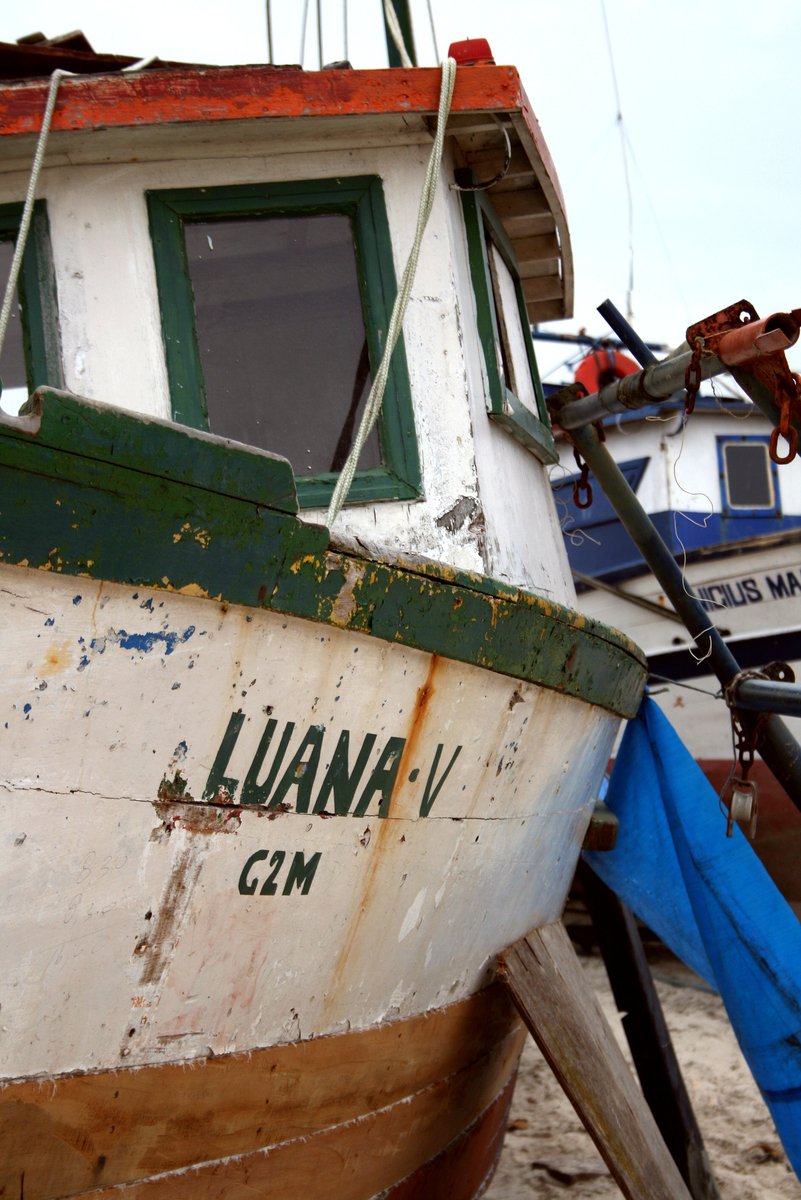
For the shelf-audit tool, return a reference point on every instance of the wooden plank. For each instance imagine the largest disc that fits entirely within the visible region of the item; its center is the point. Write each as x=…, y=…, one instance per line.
x=548, y=287
x=537, y=249
x=521, y=204
x=353, y=1160
x=563, y=1014
x=463, y=1168
x=69, y=1134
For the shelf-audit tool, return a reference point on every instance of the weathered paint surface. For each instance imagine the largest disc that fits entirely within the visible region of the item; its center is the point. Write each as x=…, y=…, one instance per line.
x=63, y=510
x=237, y=93
x=485, y=505
x=116, y=871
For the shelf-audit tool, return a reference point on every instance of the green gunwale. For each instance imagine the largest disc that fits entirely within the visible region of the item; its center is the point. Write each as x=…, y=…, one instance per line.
x=94, y=491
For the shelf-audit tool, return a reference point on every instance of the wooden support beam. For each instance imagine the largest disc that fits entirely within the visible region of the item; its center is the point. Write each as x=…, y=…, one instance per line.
x=647, y=1033
x=561, y=1011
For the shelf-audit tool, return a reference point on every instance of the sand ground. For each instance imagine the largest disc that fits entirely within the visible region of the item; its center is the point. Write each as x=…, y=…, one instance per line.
x=549, y=1155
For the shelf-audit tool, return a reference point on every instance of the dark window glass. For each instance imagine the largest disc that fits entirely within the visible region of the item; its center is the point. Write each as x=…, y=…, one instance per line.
x=748, y=475
x=281, y=335
x=12, y=362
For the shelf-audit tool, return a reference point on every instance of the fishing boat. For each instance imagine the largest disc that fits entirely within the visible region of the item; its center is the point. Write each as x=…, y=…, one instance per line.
x=275, y=794
x=731, y=516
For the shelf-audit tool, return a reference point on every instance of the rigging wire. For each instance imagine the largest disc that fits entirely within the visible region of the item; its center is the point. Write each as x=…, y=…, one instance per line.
x=303, y=30
x=320, y=34
x=627, y=181
x=269, y=34
x=658, y=227
x=433, y=31
x=345, y=54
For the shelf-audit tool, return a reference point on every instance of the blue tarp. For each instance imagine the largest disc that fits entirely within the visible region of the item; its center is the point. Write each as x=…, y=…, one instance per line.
x=712, y=902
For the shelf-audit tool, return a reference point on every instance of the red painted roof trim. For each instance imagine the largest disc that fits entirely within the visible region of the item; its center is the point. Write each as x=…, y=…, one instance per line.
x=237, y=93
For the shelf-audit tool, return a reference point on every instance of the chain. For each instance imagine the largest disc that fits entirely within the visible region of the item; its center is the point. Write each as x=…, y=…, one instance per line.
x=692, y=376
x=582, y=488
x=790, y=407
x=740, y=794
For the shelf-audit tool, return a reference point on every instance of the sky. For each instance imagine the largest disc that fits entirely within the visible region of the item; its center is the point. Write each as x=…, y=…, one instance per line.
x=709, y=104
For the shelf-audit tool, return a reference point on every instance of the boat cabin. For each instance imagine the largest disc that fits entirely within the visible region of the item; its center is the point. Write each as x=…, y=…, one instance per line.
x=220, y=247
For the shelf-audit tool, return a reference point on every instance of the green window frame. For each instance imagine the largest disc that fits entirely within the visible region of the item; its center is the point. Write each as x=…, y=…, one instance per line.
x=360, y=198
x=36, y=294
x=483, y=227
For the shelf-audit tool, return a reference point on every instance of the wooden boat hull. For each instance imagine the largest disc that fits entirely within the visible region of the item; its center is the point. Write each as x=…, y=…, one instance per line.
x=344, y=1115
x=266, y=827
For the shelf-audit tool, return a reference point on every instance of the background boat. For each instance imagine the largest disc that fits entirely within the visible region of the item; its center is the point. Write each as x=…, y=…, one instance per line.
x=732, y=517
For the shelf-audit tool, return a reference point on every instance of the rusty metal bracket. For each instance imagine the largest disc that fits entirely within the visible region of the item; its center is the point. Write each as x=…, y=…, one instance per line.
x=740, y=795
x=739, y=338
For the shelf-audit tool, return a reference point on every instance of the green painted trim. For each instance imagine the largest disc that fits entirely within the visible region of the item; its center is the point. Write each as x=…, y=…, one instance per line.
x=83, y=509
x=361, y=198
x=37, y=295
x=503, y=406
x=147, y=444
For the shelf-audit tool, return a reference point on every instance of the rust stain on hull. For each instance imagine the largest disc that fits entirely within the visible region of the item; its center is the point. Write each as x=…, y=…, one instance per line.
x=384, y=828
x=156, y=948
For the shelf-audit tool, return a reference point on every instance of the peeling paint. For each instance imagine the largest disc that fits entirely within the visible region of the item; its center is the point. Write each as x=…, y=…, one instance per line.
x=346, y=604
x=198, y=818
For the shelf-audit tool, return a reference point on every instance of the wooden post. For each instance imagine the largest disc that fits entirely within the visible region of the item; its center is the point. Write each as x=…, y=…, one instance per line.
x=560, y=1009
x=647, y=1034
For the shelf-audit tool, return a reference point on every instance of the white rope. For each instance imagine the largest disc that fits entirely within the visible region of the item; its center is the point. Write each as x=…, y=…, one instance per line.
x=27, y=212
x=393, y=25
x=373, y=405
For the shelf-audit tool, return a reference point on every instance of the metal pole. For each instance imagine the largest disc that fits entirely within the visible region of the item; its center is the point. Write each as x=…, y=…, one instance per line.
x=769, y=695
x=778, y=747
x=745, y=352
x=657, y=382
x=630, y=339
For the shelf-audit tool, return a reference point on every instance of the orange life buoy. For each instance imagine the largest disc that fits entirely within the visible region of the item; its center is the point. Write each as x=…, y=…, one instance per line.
x=603, y=367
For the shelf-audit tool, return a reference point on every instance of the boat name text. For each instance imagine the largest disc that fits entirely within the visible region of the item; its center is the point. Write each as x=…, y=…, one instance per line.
x=736, y=592
x=285, y=773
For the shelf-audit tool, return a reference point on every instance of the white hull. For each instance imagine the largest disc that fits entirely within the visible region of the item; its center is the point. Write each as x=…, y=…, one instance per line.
x=126, y=938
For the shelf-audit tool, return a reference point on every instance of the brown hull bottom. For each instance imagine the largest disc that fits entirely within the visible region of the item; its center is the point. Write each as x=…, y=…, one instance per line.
x=778, y=837
x=407, y=1109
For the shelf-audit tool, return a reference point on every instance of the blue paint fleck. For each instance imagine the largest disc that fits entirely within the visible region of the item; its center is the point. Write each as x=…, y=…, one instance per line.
x=77, y=599
x=145, y=642
x=26, y=708
x=50, y=621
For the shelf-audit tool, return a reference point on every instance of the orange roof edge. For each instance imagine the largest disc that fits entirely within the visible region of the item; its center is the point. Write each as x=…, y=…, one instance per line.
x=186, y=95
x=205, y=94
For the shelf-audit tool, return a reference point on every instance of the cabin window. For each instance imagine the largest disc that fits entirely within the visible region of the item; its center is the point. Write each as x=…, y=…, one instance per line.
x=515, y=398
x=748, y=477
x=275, y=301
x=31, y=355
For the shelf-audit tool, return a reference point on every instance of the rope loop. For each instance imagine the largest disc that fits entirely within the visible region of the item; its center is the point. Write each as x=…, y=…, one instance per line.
x=27, y=211
x=374, y=400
